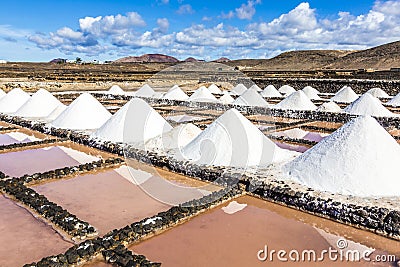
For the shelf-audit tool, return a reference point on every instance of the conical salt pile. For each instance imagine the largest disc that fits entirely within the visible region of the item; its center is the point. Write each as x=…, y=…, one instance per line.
x=270, y=91
x=84, y=113
x=13, y=100
x=256, y=87
x=345, y=95
x=296, y=101
x=2, y=93
x=360, y=159
x=368, y=105
x=395, y=101
x=178, y=137
x=231, y=140
x=116, y=90
x=214, y=89
x=329, y=107
x=145, y=91
x=378, y=92
x=250, y=98
x=176, y=93
x=135, y=122
x=40, y=105
x=311, y=92
x=286, y=90
x=55, y=113
x=226, y=99
x=238, y=89
x=202, y=95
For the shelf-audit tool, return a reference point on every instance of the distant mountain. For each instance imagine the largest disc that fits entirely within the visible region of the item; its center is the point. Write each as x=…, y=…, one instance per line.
x=58, y=60
x=148, y=58
x=222, y=60
x=191, y=59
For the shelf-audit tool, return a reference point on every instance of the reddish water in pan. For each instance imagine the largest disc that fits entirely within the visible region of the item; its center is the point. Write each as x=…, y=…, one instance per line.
x=219, y=239
x=23, y=238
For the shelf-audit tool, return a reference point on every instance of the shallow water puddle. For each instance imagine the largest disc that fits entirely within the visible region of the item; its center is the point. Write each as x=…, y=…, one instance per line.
x=111, y=199
x=16, y=137
x=218, y=238
x=23, y=238
x=44, y=159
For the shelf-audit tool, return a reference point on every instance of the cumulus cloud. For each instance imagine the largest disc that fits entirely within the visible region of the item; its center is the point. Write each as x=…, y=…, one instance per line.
x=185, y=9
x=300, y=28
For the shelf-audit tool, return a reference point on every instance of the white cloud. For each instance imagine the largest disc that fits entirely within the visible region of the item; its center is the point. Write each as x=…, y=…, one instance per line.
x=185, y=9
x=163, y=24
x=246, y=11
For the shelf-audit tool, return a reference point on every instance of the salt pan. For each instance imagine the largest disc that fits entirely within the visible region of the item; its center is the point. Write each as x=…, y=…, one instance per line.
x=84, y=113
x=360, y=159
x=13, y=100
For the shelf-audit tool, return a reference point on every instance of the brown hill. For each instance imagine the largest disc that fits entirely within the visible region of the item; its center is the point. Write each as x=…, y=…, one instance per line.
x=148, y=58
x=381, y=57
x=190, y=59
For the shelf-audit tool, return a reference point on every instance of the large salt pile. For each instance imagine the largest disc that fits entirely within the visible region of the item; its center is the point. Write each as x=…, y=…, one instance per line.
x=238, y=89
x=329, y=107
x=231, y=140
x=84, y=113
x=296, y=101
x=226, y=99
x=345, y=95
x=311, y=92
x=145, y=91
x=378, y=92
x=202, y=95
x=178, y=137
x=12, y=101
x=270, y=91
x=55, y=113
x=40, y=105
x=256, y=87
x=214, y=89
x=395, y=101
x=136, y=121
x=251, y=98
x=360, y=159
x=2, y=93
x=286, y=90
x=116, y=90
x=368, y=105
x=176, y=93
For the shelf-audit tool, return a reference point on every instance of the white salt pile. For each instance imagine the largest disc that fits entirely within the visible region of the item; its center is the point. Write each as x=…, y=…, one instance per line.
x=311, y=92
x=250, y=98
x=214, y=89
x=295, y=133
x=286, y=90
x=238, y=89
x=368, y=105
x=176, y=93
x=270, y=91
x=395, y=101
x=2, y=93
x=183, y=118
x=135, y=122
x=56, y=112
x=256, y=87
x=345, y=95
x=176, y=138
x=145, y=91
x=231, y=140
x=378, y=92
x=13, y=100
x=226, y=99
x=84, y=113
x=296, y=101
x=360, y=159
x=329, y=107
x=202, y=95
x=40, y=105
x=116, y=90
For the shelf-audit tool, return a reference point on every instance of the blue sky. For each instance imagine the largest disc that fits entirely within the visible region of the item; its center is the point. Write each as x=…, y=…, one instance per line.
x=107, y=30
